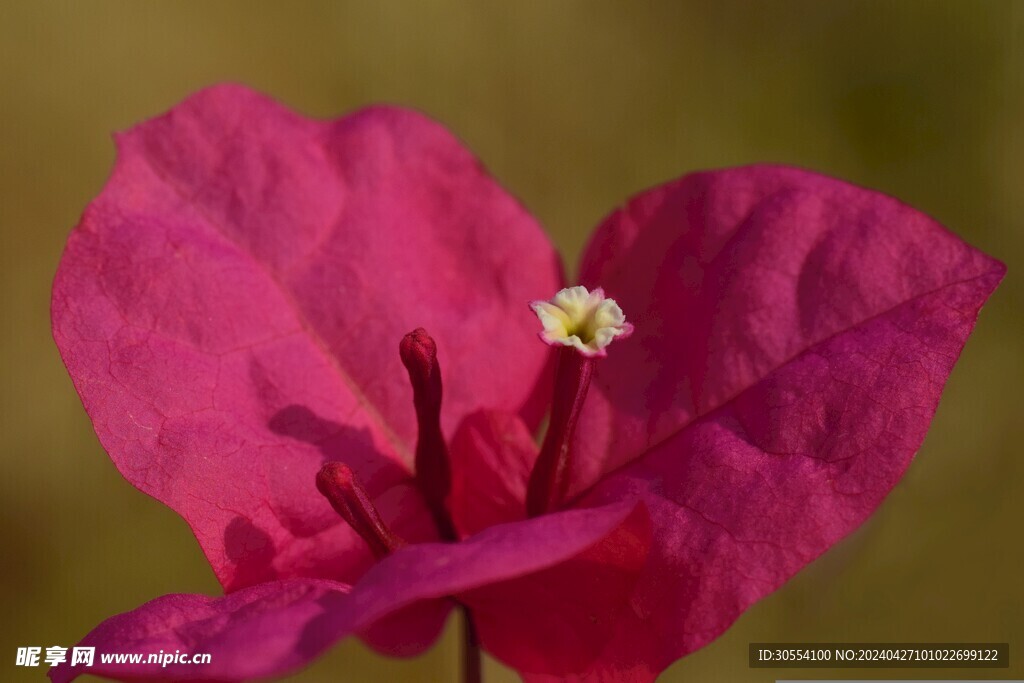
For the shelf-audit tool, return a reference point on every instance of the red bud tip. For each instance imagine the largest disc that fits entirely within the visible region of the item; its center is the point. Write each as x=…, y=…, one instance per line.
x=349, y=499
x=419, y=356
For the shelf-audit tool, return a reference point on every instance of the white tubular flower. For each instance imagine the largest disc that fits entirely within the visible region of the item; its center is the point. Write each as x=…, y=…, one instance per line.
x=585, y=320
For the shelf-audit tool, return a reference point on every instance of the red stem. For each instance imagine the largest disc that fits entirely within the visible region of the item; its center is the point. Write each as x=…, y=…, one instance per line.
x=472, y=668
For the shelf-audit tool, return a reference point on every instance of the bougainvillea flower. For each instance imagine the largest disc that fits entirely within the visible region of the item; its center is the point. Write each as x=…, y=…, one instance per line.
x=235, y=311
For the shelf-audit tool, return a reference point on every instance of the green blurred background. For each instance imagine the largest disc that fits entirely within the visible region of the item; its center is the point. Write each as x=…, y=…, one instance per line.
x=574, y=106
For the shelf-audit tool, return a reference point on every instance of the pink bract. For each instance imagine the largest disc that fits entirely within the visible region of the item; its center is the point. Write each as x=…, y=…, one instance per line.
x=230, y=309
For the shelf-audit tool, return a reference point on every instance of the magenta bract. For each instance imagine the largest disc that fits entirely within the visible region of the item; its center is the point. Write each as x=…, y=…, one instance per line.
x=230, y=309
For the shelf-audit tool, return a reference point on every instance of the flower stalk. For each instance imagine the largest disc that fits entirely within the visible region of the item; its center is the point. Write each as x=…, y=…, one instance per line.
x=472, y=663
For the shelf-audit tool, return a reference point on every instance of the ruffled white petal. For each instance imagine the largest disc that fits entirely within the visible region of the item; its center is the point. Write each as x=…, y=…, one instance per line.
x=587, y=321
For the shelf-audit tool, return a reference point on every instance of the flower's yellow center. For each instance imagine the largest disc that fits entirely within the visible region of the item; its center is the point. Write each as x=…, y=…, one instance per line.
x=585, y=320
